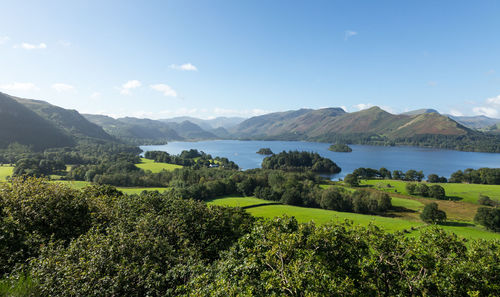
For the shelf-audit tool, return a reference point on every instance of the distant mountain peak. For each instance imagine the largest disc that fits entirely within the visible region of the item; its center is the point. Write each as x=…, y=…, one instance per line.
x=420, y=111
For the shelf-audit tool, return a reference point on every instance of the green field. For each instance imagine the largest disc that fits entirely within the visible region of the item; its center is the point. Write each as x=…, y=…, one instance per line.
x=5, y=171
x=126, y=190
x=321, y=216
x=464, y=192
x=155, y=167
x=237, y=201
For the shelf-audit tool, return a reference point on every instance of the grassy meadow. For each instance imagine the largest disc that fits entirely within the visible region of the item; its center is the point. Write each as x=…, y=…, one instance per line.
x=396, y=221
x=463, y=192
x=156, y=167
x=5, y=170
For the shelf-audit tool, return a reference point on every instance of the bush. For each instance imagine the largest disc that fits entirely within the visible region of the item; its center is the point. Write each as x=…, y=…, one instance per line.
x=431, y=214
x=485, y=200
x=489, y=218
x=436, y=191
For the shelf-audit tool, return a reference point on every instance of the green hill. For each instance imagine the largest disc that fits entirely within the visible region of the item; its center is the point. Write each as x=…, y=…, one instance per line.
x=22, y=125
x=70, y=121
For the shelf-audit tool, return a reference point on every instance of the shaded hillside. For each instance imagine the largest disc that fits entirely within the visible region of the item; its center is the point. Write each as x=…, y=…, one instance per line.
x=191, y=131
x=20, y=124
x=69, y=120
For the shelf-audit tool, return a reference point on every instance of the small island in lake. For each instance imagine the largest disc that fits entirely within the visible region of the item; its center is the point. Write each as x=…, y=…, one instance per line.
x=340, y=148
x=265, y=151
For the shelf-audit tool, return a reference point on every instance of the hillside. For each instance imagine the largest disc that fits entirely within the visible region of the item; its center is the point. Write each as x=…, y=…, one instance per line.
x=142, y=131
x=219, y=122
x=475, y=122
x=20, y=124
x=370, y=126
x=68, y=120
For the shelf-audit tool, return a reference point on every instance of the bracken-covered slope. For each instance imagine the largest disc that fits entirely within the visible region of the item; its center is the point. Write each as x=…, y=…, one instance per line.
x=22, y=125
x=325, y=124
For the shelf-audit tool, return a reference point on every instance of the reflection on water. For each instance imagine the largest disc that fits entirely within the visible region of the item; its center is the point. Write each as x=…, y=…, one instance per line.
x=441, y=162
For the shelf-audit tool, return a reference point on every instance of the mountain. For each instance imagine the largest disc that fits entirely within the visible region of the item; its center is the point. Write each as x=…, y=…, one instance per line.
x=68, y=120
x=475, y=122
x=142, y=131
x=134, y=130
x=22, y=125
x=219, y=122
x=420, y=111
x=330, y=124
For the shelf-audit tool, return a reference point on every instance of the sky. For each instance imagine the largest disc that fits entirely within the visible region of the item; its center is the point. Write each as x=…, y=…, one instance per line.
x=161, y=59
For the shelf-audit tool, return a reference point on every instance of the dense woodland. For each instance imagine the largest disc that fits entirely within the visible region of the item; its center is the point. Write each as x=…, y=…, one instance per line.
x=300, y=161
x=97, y=241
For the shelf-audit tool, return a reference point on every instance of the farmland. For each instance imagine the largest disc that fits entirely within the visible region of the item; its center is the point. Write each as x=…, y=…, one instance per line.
x=155, y=167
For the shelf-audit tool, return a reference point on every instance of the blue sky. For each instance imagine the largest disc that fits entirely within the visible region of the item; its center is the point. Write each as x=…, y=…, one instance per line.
x=160, y=59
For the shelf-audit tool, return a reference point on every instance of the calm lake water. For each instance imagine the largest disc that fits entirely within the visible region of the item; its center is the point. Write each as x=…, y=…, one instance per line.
x=441, y=162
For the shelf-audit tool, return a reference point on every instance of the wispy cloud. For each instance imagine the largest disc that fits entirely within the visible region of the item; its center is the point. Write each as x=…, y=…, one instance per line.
x=184, y=67
x=60, y=87
x=95, y=95
x=362, y=106
x=432, y=83
x=128, y=86
x=30, y=46
x=349, y=33
x=4, y=39
x=456, y=113
x=489, y=108
x=165, y=89
x=19, y=86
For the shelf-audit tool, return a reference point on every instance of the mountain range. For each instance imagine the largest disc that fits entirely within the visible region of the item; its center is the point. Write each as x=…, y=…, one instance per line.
x=42, y=125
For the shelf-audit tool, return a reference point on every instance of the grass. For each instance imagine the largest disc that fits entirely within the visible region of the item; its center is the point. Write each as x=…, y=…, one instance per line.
x=237, y=201
x=463, y=192
x=319, y=216
x=5, y=171
x=155, y=167
x=126, y=190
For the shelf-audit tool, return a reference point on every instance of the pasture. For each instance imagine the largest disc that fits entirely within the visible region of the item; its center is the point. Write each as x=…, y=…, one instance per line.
x=155, y=167
x=322, y=216
x=5, y=171
x=463, y=192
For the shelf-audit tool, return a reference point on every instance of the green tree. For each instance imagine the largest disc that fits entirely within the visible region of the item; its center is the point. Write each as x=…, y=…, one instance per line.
x=351, y=180
x=431, y=214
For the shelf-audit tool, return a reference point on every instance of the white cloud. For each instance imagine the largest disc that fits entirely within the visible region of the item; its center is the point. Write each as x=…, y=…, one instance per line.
x=486, y=111
x=432, y=83
x=344, y=108
x=17, y=86
x=95, y=95
x=494, y=100
x=165, y=89
x=30, y=46
x=131, y=84
x=349, y=33
x=4, y=39
x=60, y=87
x=362, y=106
x=184, y=67
x=456, y=113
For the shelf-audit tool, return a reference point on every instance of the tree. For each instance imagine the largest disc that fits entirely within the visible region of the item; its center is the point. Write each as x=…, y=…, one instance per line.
x=385, y=173
x=431, y=214
x=351, y=180
x=488, y=217
x=436, y=191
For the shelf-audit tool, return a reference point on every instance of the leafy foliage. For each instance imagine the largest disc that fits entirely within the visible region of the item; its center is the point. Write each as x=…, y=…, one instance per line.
x=431, y=214
x=300, y=161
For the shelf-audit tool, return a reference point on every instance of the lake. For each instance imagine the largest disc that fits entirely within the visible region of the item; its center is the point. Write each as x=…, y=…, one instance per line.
x=438, y=161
